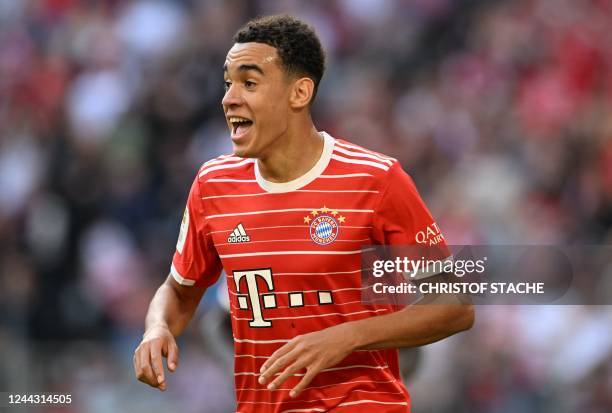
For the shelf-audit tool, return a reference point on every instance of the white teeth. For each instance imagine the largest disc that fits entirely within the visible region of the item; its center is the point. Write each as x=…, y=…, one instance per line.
x=236, y=119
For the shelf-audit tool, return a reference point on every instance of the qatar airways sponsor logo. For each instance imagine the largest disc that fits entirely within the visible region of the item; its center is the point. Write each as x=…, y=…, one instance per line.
x=431, y=235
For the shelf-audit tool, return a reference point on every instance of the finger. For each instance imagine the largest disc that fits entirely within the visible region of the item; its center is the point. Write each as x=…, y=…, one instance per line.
x=156, y=362
x=310, y=374
x=145, y=373
x=288, y=372
x=277, y=366
x=278, y=353
x=138, y=368
x=173, y=355
x=136, y=364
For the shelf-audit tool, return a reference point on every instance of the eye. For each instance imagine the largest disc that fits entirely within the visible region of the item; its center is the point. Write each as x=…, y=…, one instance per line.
x=226, y=84
x=249, y=84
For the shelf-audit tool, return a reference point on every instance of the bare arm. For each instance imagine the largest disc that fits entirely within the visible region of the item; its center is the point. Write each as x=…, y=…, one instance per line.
x=173, y=306
x=433, y=318
x=171, y=309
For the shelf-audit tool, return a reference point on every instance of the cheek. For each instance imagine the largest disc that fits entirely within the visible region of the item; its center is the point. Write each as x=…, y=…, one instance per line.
x=273, y=113
x=271, y=110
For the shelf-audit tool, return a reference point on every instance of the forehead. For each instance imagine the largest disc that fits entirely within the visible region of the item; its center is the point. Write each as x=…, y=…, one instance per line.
x=252, y=53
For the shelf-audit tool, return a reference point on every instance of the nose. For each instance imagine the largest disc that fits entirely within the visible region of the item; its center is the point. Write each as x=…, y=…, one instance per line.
x=232, y=97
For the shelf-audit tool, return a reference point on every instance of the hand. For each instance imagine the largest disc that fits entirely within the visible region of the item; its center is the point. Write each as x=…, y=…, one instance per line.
x=148, y=366
x=313, y=352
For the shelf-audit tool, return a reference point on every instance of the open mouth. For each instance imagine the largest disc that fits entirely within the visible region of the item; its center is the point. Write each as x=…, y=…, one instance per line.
x=239, y=125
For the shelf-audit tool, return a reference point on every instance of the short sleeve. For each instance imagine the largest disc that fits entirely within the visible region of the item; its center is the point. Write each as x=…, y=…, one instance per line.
x=401, y=217
x=402, y=220
x=195, y=259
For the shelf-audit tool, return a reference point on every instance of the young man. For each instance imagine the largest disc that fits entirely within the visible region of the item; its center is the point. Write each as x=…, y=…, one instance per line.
x=286, y=216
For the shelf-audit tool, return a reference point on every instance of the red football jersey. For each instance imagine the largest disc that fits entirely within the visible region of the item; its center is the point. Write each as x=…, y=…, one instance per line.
x=291, y=252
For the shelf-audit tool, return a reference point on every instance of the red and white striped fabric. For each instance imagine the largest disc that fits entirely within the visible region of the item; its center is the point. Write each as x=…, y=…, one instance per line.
x=291, y=252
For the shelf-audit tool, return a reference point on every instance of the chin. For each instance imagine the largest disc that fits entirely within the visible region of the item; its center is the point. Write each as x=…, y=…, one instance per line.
x=243, y=152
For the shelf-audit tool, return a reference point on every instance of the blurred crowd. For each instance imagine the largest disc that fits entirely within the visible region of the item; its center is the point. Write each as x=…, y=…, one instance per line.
x=500, y=110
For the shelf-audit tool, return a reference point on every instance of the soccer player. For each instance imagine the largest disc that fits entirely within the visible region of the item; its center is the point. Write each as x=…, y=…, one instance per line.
x=286, y=216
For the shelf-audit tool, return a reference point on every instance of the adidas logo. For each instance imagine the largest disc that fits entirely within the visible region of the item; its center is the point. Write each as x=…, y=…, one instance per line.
x=238, y=235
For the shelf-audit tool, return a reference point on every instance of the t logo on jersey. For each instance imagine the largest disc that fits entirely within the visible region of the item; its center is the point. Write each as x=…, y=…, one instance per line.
x=269, y=300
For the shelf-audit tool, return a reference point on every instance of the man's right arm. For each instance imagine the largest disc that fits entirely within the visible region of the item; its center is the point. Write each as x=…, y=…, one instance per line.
x=170, y=311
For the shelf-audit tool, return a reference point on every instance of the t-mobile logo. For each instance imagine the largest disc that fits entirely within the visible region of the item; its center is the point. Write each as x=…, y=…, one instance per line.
x=269, y=300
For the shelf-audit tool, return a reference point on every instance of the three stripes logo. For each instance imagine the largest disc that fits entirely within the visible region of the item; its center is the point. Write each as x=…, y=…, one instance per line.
x=238, y=235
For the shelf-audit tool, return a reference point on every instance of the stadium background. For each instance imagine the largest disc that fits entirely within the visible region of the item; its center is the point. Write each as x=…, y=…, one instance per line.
x=500, y=110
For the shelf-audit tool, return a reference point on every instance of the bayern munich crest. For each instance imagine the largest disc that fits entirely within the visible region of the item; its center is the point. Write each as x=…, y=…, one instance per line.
x=324, y=225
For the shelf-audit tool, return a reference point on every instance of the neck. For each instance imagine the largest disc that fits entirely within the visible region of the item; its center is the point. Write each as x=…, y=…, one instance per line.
x=292, y=156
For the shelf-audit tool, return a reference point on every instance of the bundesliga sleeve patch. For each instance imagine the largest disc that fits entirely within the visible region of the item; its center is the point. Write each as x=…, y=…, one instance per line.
x=183, y=232
x=324, y=225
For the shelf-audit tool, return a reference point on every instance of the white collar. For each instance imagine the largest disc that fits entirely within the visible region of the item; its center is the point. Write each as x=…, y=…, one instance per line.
x=308, y=177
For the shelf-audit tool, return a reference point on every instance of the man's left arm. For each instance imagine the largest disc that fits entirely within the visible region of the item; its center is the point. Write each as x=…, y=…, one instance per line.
x=434, y=317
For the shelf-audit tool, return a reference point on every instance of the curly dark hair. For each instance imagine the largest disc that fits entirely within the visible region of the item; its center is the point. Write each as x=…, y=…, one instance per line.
x=297, y=44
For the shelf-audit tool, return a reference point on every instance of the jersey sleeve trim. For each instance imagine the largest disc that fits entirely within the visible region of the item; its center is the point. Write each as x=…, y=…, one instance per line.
x=179, y=278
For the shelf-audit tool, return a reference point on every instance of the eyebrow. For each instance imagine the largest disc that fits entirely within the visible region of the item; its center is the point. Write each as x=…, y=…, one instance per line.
x=246, y=68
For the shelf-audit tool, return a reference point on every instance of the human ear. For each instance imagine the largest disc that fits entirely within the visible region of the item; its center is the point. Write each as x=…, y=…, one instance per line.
x=301, y=93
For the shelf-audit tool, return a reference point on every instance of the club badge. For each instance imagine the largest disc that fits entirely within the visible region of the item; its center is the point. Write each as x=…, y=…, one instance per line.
x=324, y=225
